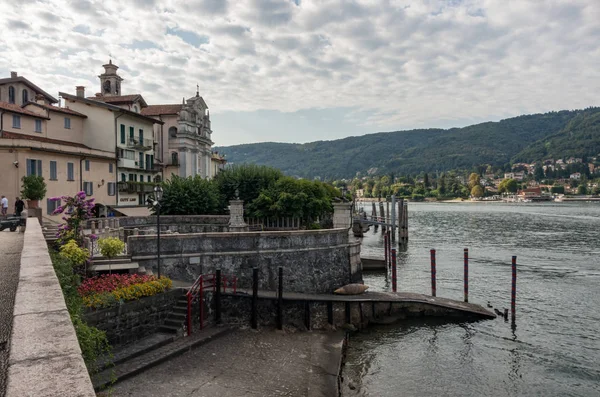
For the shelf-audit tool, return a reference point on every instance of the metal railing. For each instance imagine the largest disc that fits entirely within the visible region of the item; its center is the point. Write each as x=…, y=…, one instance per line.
x=212, y=282
x=140, y=143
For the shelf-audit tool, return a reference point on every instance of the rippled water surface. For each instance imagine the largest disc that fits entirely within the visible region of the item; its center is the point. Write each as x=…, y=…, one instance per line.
x=554, y=349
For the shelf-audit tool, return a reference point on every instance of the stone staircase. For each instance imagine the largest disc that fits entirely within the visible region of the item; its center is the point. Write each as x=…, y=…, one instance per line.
x=176, y=320
x=49, y=230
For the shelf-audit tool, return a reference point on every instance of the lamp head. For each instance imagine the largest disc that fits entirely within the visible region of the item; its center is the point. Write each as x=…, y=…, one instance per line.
x=158, y=192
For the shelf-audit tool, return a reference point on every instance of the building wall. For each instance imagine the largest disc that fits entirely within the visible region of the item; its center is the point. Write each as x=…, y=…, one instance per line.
x=57, y=130
x=99, y=126
x=19, y=87
x=27, y=124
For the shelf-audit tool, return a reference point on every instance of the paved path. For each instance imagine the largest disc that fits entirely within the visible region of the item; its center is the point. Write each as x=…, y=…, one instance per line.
x=246, y=363
x=11, y=244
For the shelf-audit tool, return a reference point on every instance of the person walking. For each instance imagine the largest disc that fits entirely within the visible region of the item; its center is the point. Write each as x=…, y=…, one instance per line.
x=4, y=204
x=19, y=206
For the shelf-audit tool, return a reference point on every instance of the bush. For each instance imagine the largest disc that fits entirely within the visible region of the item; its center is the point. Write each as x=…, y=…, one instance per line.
x=109, y=290
x=189, y=196
x=74, y=254
x=34, y=187
x=111, y=246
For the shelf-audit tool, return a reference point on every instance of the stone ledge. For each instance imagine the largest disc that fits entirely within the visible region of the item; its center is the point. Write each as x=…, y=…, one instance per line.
x=45, y=358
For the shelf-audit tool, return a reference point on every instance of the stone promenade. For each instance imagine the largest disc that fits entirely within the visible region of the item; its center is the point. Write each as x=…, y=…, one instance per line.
x=11, y=244
x=247, y=363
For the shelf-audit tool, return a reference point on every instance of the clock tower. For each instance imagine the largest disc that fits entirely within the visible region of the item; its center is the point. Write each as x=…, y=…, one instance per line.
x=110, y=81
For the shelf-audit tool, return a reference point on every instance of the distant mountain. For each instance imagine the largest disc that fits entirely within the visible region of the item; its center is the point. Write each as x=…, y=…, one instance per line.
x=530, y=138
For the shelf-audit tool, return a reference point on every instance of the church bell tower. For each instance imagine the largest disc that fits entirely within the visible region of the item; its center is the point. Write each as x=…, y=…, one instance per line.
x=110, y=81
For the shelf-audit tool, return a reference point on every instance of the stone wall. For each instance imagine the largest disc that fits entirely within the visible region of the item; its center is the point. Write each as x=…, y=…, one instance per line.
x=317, y=261
x=45, y=358
x=133, y=320
x=174, y=223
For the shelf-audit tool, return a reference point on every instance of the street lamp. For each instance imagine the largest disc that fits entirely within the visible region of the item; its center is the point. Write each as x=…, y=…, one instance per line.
x=158, y=192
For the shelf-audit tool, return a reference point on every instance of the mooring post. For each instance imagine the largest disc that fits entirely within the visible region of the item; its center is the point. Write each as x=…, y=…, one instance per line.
x=433, y=287
x=406, y=221
x=394, y=281
x=466, y=256
x=400, y=212
x=280, y=300
x=385, y=249
x=218, y=296
x=513, y=294
x=393, y=218
x=387, y=211
x=374, y=213
x=253, y=313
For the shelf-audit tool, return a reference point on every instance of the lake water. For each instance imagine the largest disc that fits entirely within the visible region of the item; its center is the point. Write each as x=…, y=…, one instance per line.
x=554, y=350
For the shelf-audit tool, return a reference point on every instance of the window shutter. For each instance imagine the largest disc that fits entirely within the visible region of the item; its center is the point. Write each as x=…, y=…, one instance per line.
x=29, y=170
x=122, y=133
x=49, y=208
x=39, y=167
x=91, y=188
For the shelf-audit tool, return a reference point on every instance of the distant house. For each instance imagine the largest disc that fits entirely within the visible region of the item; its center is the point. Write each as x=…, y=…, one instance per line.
x=518, y=176
x=576, y=176
x=530, y=192
x=573, y=160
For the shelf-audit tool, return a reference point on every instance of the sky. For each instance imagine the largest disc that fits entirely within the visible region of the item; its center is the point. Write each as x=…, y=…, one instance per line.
x=307, y=70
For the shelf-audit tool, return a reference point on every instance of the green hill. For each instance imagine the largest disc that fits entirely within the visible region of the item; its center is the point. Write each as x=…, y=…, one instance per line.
x=428, y=150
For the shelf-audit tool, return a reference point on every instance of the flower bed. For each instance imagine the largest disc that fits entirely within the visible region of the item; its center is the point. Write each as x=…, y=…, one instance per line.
x=110, y=289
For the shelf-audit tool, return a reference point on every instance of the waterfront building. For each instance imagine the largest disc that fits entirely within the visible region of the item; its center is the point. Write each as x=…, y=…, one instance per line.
x=115, y=123
x=38, y=138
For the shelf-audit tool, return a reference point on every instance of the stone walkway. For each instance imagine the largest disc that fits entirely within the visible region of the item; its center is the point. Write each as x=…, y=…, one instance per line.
x=11, y=244
x=246, y=363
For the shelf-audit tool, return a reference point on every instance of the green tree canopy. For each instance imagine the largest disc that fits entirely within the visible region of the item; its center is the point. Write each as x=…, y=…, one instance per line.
x=190, y=196
x=477, y=191
x=507, y=186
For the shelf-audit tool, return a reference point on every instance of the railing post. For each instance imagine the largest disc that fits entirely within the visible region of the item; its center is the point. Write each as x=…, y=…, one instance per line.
x=218, y=296
x=433, y=264
x=280, y=299
x=201, y=299
x=466, y=258
x=189, y=313
x=394, y=281
x=254, y=297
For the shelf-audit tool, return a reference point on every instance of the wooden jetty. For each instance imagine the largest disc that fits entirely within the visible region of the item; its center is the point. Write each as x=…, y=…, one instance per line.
x=393, y=216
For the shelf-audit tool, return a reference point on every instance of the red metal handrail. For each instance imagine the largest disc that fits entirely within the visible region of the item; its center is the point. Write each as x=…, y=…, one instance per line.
x=203, y=282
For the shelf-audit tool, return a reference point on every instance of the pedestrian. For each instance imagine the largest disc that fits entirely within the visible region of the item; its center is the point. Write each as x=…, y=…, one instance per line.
x=4, y=204
x=19, y=206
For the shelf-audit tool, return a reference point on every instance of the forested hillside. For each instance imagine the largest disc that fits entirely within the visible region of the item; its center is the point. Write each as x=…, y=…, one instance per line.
x=528, y=137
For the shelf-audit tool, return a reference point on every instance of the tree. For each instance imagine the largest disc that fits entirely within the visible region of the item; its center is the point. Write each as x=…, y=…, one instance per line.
x=538, y=174
x=477, y=191
x=247, y=179
x=582, y=189
x=426, y=180
x=474, y=180
x=507, y=186
x=190, y=196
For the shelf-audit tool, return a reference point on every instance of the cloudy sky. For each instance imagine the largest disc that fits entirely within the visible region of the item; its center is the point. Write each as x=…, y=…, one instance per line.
x=305, y=70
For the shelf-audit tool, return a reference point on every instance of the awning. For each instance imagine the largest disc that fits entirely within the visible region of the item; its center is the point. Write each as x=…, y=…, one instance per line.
x=132, y=211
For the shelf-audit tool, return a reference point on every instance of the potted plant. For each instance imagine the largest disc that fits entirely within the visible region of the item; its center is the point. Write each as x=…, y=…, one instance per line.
x=33, y=190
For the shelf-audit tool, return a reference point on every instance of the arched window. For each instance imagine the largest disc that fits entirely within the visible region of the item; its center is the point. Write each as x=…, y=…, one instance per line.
x=135, y=109
x=173, y=132
x=25, y=97
x=157, y=179
x=175, y=158
x=11, y=94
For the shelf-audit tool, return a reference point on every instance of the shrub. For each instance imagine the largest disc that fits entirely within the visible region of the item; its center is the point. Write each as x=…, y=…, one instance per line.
x=111, y=246
x=34, y=187
x=127, y=293
x=110, y=282
x=74, y=254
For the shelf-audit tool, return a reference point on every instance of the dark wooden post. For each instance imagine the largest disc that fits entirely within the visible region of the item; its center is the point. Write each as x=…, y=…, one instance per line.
x=280, y=299
x=513, y=292
x=394, y=281
x=433, y=265
x=218, y=297
x=254, y=298
x=466, y=258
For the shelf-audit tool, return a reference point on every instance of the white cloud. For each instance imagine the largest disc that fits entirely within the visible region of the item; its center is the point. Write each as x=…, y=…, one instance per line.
x=406, y=63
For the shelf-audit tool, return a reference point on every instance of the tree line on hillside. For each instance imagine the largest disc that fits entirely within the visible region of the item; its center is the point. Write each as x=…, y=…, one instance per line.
x=527, y=138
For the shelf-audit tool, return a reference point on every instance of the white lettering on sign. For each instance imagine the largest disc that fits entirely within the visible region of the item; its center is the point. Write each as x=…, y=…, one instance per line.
x=128, y=199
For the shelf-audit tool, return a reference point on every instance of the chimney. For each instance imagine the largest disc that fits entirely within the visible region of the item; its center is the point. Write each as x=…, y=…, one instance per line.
x=13, y=75
x=80, y=91
x=39, y=98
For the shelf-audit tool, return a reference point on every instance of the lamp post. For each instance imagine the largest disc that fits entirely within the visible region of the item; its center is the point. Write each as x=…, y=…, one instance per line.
x=157, y=197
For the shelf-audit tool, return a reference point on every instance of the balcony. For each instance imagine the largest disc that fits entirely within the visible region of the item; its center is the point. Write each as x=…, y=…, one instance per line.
x=135, y=187
x=140, y=144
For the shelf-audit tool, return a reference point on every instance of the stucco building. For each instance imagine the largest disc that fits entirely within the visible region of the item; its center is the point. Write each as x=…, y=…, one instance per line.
x=38, y=138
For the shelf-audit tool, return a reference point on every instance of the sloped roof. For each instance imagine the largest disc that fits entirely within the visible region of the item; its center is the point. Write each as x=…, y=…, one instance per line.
x=12, y=135
x=120, y=99
x=56, y=109
x=157, y=110
x=21, y=79
x=11, y=107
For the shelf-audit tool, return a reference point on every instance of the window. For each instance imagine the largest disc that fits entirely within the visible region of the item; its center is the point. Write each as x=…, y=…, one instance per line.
x=132, y=177
x=88, y=188
x=123, y=133
x=123, y=177
x=87, y=165
x=126, y=154
x=16, y=121
x=110, y=167
x=51, y=205
x=34, y=167
x=131, y=133
x=141, y=136
x=70, y=172
x=148, y=178
x=11, y=94
x=135, y=109
x=25, y=97
x=175, y=158
x=111, y=188
x=53, y=171
x=141, y=160
x=148, y=162
x=67, y=123
x=38, y=126
x=173, y=132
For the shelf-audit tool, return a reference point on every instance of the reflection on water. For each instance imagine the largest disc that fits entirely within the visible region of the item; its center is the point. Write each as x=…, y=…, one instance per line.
x=554, y=350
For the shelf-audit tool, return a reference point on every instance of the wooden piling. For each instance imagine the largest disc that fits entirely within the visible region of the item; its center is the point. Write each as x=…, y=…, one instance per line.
x=513, y=294
x=385, y=249
x=253, y=313
x=394, y=275
x=433, y=273
x=280, y=299
x=466, y=260
x=374, y=214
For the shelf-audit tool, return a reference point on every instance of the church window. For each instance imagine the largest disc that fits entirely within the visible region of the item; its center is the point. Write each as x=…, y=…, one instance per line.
x=11, y=94
x=173, y=132
x=107, y=87
x=25, y=97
